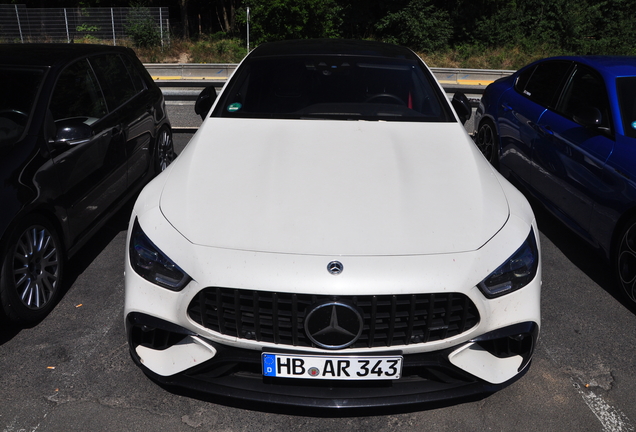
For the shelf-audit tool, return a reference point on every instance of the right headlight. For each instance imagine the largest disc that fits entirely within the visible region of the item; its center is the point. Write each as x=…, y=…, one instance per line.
x=152, y=264
x=518, y=270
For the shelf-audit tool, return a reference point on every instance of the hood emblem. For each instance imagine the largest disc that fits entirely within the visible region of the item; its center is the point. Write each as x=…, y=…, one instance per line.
x=333, y=325
x=335, y=267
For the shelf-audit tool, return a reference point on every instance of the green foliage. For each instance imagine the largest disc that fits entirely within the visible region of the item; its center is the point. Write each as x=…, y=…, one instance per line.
x=612, y=29
x=475, y=56
x=86, y=33
x=272, y=20
x=217, y=50
x=142, y=28
x=419, y=25
x=567, y=26
x=499, y=34
x=87, y=28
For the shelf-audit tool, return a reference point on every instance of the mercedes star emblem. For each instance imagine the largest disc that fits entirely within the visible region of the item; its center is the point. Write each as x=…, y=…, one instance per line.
x=335, y=267
x=333, y=325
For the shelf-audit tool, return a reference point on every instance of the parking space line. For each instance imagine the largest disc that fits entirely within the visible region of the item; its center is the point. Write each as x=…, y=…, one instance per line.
x=612, y=419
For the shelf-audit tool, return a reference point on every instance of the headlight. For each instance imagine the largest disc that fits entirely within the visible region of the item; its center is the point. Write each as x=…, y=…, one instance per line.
x=518, y=271
x=152, y=264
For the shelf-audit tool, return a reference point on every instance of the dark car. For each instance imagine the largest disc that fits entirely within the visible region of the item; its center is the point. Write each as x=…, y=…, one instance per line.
x=82, y=129
x=565, y=129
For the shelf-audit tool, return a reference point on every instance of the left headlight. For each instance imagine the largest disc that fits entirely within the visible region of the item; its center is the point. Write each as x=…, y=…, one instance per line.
x=518, y=271
x=152, y=264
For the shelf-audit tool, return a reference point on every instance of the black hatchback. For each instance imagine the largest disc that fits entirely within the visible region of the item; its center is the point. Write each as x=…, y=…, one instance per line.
x=82, y=129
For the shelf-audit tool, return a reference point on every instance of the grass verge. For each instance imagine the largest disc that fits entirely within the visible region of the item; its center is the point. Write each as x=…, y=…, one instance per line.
x=218, y=49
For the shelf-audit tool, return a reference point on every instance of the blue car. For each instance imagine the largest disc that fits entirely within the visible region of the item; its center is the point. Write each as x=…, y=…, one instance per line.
x=564, y=129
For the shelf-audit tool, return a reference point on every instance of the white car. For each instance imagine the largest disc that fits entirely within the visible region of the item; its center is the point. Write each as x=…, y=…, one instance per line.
x=331, y=237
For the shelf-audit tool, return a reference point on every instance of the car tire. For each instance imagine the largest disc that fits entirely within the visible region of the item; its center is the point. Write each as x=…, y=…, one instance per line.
x=164, y=150
x=32, y=267
x=488, y=142
x=625, y=261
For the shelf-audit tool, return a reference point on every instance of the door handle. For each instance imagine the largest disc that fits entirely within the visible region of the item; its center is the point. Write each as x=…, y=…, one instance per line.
x=544, y=131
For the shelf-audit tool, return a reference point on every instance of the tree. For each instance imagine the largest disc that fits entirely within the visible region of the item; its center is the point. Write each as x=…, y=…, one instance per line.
x=142, y=28
x=293, y=19
x=611, y=29
x=185, y=23
x=420, y=25
x=226, y=15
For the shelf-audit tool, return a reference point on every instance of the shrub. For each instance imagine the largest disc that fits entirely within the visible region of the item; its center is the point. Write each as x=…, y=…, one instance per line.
x=273, y=20
x=420, y=26
x=213, y=50
x=142, y=28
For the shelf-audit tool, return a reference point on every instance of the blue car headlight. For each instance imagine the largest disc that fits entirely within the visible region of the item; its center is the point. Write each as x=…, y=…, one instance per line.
x=153, y=265
x=518, y=271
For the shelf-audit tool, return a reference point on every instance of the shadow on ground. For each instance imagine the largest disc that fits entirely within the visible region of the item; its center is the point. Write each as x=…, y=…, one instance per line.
x=588, y=259
x=78, y=264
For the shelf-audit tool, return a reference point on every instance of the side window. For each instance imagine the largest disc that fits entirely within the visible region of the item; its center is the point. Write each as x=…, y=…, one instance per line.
x=523, y=79
x=626, y=89
x=135, y=74
x=585, y=91
x=116, y=82
x=543, y=85
x=77, y=94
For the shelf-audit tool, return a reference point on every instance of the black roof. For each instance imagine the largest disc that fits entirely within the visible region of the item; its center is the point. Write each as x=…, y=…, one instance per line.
x=53, y=54
x=332, y=47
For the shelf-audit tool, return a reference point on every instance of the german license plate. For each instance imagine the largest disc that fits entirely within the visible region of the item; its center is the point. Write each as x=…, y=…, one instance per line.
x=332, y=368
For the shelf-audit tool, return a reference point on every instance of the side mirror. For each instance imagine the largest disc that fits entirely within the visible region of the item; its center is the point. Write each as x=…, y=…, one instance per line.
x=204, y=101
x=462, y=107
x=72, y=132
x=588, y=117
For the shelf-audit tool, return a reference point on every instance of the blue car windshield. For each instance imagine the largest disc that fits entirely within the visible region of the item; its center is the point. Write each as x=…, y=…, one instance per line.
x=334, y=87
x=626, y=88
x=16, y=101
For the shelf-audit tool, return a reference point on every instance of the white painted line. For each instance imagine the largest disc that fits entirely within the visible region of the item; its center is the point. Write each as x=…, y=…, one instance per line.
x=612, y=419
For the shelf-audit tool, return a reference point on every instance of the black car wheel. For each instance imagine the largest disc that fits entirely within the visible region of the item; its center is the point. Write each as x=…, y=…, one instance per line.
x=625, y=261
x=488, y=143
x=31, y=271
x=164, y=152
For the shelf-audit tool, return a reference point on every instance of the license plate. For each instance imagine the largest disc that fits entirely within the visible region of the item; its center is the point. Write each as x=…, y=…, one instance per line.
x=332, y=368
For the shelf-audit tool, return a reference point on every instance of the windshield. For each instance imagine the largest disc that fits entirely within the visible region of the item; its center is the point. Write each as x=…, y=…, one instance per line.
x=626, y=88
x=334, y=87
x=16, y=101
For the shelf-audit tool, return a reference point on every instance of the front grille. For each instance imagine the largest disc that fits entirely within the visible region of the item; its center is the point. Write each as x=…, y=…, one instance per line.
x=389, y=320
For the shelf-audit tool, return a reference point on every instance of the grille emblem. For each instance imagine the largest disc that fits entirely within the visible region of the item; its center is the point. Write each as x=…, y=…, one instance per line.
x=333, y=325
x=335, y=267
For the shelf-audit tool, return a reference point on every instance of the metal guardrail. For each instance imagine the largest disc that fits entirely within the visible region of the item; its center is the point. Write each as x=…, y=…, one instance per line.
x=469, y=77
x=183, y=81
x=182, y=73
x=221, y=72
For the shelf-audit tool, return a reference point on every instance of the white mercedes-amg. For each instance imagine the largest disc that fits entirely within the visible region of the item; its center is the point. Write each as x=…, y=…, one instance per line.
x=332, y=237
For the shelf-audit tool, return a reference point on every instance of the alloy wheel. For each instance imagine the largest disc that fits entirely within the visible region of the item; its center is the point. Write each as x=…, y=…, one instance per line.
x=626, y=263
x=165, y=150
x=486, y=142
x=36, y=268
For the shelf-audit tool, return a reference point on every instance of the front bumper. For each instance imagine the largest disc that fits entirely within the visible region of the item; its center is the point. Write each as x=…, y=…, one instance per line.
x=180, y=345
x=230, y=372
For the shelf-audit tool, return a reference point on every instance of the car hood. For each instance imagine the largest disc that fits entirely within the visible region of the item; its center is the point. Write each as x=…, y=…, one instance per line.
x=334, y=188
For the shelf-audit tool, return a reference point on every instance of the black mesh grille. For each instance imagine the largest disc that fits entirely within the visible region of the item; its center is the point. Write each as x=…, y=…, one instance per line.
x=389, y=320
